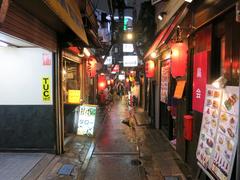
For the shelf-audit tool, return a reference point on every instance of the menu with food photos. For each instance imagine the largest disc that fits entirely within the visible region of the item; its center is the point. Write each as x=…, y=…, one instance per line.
x=209, y=125
x=218, y=136
x=227, y=134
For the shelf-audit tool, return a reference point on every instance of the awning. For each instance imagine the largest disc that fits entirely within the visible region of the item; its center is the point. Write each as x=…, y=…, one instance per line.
x=69, y=13
x=168, y=30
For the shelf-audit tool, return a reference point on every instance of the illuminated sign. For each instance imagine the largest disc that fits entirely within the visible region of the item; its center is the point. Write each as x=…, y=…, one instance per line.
x=121, y=77
x=74, y=96
x=108, y=60
x=86, y=119
x=128, y=48
x=130, y=61
x=46, y=95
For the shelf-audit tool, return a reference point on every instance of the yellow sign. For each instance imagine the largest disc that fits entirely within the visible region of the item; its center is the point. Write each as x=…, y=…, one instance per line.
x=74, y=96
x=46, y=95
x=179, y=89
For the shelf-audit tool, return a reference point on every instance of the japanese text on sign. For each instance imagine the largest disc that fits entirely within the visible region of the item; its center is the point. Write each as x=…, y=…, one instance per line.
x=46, y=96
x=86, y=120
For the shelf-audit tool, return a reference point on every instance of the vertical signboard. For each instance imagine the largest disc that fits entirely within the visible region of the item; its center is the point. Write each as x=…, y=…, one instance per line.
x=219, y=132
x=165, y=75
x=46, y=95
x=199, y=80
x=86, y=119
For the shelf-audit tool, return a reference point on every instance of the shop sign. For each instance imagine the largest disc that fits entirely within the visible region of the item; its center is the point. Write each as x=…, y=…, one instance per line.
x=128, y=48
x=86, y=119
x=46, y=95
x=74, y=96
x=199, y=80
x=178, y=59
x=47, y=59
x=130, y=61
x=150, y=68
x=179, y=89
x=3, y=10
x=91, y=67
x=165, y=77
x=218, y=137
x=115, y=69
x=108, y=60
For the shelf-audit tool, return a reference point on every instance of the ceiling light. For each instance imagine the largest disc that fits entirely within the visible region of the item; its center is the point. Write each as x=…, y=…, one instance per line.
x=188, y=1
x=3, y=44
x=129, y=36
x=86, y=52
x=160, y=16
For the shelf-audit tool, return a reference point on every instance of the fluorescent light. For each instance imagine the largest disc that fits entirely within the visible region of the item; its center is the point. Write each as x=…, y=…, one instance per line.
x=160, y=17
x=3, y=44
x=86, y=52
x=188, y=1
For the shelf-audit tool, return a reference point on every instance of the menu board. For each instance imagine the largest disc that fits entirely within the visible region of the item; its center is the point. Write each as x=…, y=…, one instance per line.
x=165, y=75
x=86, y=119
x=209, y=125
x=227, y=134
x=218, y=136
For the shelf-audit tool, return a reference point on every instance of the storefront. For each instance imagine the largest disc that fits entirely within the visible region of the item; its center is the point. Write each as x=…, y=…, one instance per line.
x=27, y=83
x=34, y=64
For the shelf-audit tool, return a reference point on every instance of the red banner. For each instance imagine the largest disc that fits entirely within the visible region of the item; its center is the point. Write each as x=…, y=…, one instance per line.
x=199, y=80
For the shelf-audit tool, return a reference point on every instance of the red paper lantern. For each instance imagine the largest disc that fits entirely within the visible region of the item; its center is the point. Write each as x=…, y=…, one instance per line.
x=150, y=68
x=179, y=59
x=102, y=83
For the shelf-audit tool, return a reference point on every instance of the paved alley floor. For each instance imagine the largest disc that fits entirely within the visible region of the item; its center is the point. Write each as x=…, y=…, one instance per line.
x=132, y=152
x=124, y=148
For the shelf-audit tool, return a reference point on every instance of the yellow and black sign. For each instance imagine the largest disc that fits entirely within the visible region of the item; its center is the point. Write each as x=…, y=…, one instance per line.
x=46, y=95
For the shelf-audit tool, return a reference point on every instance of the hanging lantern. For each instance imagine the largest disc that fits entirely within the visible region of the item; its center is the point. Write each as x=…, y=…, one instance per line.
x=91, y=67
x=179, y=59
x=102, y=83
x=150, y=68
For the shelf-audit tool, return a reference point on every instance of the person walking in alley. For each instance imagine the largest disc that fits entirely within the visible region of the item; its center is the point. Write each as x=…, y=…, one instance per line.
x=120, y=90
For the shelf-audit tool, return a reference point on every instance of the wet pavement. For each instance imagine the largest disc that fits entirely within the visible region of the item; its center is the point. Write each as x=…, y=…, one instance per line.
x=120, y=148
x=115, y=149
x=124, y=148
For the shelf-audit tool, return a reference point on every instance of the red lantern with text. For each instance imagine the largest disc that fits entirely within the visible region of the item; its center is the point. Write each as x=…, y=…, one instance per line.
x=102, y=83
x=150, y=68
x=91, y=67
x=179, y=59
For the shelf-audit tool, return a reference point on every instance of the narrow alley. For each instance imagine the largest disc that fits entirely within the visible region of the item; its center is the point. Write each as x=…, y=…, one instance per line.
x=126, y=150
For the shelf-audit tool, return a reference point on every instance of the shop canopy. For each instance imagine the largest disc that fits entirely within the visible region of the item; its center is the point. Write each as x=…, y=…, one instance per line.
x=164, y=35
x=70, y=14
